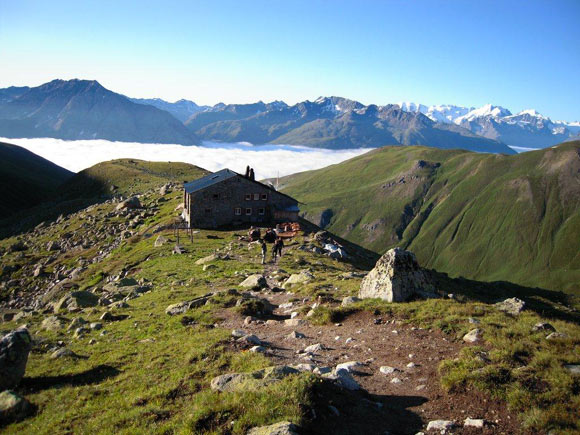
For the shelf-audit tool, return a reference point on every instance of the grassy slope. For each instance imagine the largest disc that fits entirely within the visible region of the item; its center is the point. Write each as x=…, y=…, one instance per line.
x=151, y=372
x=26, y=179
x=487, y=217
x=128, y=176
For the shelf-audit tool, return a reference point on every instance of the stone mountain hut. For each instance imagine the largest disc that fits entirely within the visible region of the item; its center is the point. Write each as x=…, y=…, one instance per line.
x=226, y=198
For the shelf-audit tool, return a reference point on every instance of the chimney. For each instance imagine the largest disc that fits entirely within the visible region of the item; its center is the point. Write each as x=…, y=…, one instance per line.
x=252, y=174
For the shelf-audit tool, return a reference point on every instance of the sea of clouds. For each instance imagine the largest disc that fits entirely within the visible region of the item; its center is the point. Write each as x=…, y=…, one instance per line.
x=267, y=160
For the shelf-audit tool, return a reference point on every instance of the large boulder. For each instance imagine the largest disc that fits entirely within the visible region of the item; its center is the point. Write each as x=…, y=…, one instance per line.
x=395, y=278
x=254, y=282
x=14, y=350
x=77, y=300
x=298, y=278
x=13, y=407
x=251, y=381
x=130, y=203
x=280, y=428
x=513, y=306
x=183, y=307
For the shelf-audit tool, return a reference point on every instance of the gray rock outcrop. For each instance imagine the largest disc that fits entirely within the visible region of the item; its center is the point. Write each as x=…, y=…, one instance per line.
x=280, y=428
x=513, y=306
x=14, y=350
x=395, y=278
x=251, y=381
x=13, y=407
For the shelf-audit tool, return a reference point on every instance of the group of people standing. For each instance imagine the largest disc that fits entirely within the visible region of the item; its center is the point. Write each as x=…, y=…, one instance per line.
x=269, y=237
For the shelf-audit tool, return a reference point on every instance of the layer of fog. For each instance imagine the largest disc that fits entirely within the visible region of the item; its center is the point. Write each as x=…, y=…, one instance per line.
x=268, y=160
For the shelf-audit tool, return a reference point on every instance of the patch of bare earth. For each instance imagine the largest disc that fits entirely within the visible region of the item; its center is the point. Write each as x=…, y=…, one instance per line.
x=383, y=405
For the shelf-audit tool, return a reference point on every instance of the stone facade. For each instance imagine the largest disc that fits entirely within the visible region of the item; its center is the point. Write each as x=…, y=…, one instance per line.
x=235, y=201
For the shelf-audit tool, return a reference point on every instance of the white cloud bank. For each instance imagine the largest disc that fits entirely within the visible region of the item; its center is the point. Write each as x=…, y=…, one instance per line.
x=268, y=160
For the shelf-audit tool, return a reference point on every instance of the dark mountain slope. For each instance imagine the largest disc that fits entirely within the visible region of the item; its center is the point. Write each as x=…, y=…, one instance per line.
x=26, y=179
x=487, y=217
x=83, y=109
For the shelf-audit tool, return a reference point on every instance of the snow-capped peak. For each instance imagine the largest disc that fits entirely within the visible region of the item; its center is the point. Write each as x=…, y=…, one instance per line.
x=486, y=111
x=532, y=112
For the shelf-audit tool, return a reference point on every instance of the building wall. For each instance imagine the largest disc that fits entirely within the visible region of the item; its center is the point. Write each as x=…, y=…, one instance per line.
x=215, y=206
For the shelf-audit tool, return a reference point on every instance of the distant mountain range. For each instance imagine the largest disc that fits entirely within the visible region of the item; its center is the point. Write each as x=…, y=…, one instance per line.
x=528, y=129
x=83, y=109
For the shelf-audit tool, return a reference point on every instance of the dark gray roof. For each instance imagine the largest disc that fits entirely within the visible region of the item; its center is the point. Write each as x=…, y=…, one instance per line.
x=209, y=180
x=218, y=177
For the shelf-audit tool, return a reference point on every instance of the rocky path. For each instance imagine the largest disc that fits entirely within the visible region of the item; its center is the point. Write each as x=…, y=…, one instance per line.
x=396, y=366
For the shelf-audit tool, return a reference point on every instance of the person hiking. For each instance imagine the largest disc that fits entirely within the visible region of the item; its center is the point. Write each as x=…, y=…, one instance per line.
x=264, y=250
x=277, y=250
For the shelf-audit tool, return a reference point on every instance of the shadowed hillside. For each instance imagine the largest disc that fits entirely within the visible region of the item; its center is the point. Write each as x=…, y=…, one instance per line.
x=486, y=217
x=26, y=179
x=122, y=177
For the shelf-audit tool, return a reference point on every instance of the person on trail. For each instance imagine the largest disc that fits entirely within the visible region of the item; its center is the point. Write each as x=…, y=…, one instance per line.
x=277, y=250
x=264, y=250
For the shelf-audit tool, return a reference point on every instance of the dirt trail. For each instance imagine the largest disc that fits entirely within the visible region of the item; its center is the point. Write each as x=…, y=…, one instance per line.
x=407, y=399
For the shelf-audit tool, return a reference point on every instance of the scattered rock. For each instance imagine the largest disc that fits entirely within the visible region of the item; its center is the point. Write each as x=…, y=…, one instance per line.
x=388, y=370
x=314, y=348
x=258, y=349
x=343, y=379
x=207, y=259
x=14, y=350
x=77, y=300
x=349, y=366
x=183, y=307
x=556, y=335
x=513, y=306
x=477, y=423
x=472, y=336
x=396, y=381
x=573, y=368
x=255, y=282
x=294, y=322
x=51, y=323
x=442, y=425
x=395, y=278
x=299, y=278
x=349, y=300
x=75, y=323
x=295, y=335
x=251, y=381
x=13, y=407
x=160, y=241
x=543, y=326
x=250, y=339
x=281, y=428
x=238, y=333
x=130, y=203
x=62, y=353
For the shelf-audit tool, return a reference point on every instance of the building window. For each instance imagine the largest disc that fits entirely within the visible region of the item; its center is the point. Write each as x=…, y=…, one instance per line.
x=264, y=197
x=208, y=211
x=261, y=211
x=238, y=211
x=248, y=196
x=256, y=196
x=248, y=211
x=216, y=196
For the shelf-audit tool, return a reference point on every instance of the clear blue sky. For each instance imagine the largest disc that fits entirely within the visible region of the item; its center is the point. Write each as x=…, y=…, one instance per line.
x=519, y=54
